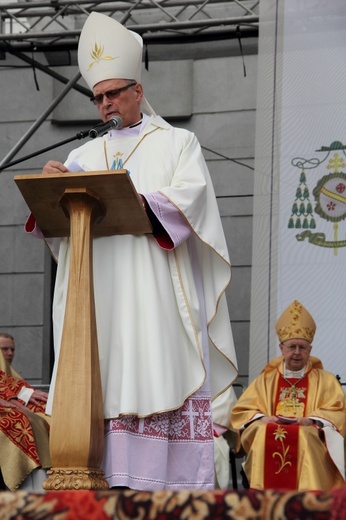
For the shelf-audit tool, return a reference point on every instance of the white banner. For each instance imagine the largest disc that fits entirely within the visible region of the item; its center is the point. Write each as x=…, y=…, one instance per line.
x=303, y=199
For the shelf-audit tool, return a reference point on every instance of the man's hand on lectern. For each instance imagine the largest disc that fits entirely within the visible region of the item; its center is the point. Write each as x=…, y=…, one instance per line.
x=54, y=167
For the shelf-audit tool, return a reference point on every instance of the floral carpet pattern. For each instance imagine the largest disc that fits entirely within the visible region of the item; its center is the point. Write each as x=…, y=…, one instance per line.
x=169, y=505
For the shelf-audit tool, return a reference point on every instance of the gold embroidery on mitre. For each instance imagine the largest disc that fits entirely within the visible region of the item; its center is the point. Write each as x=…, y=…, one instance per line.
x=295, y=332
x=295, y=322
x=97, y=55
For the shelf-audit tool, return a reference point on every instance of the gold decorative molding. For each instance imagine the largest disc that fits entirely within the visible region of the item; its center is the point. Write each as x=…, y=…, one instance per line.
x=75, y=478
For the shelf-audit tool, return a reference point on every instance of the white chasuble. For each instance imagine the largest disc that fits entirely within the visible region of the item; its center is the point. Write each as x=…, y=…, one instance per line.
x=148, y=305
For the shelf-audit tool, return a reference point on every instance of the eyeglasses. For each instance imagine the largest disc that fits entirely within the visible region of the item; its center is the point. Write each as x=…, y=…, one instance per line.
x=111, y=94
x=292, y=348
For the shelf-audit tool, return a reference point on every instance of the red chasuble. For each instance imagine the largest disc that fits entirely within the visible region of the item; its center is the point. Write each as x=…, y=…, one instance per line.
x=15, y=423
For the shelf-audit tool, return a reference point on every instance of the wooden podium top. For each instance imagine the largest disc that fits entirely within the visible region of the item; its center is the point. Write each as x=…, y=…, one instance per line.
x=125, y=214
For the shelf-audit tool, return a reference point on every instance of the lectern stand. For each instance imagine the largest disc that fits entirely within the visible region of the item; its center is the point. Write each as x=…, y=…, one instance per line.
x=81, y=205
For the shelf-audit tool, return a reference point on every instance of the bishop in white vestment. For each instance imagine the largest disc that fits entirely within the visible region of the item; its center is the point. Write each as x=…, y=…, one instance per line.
x=164, y=335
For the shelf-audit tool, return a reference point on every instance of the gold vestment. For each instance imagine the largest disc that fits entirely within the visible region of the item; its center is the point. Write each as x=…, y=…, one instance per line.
x=325, y=400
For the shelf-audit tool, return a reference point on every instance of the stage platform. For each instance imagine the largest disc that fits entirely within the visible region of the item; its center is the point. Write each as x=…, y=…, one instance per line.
x=167, y=505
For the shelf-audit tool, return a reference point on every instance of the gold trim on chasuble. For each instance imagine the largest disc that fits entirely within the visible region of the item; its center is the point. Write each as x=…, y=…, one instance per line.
x=120, y=165
x=117, y=156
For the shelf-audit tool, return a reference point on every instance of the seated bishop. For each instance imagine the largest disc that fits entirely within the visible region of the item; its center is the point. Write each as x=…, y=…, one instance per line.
x=292, y=416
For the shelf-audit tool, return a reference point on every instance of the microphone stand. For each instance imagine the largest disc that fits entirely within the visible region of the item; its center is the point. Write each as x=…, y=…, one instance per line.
x=80, y=135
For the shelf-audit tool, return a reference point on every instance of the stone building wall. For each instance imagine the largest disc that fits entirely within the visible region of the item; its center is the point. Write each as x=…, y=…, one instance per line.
x=212, y=93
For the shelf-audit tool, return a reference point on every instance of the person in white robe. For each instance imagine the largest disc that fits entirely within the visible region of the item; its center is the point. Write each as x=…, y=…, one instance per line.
x=164, y=335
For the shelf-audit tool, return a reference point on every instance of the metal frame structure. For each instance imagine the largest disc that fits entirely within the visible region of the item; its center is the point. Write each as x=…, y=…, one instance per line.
x=38, y=32
x=37, y=25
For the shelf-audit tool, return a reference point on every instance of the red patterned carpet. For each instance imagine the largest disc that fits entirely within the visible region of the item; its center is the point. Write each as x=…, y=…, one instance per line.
x=166, y=505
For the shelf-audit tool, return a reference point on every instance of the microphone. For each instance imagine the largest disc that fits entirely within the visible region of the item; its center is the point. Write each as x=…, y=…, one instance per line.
x=103, y=128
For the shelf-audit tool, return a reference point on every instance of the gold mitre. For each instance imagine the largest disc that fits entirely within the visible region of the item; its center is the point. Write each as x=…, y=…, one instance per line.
x=108, y=50
x=295, y=323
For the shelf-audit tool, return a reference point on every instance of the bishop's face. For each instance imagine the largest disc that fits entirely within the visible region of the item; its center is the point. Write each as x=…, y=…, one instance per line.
x=119, y=97
x=296, y=353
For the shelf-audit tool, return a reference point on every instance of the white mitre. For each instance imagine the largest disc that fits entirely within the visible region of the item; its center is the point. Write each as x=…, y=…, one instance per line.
x=107, y=50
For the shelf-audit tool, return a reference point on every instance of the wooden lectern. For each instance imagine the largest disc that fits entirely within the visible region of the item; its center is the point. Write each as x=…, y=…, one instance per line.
x=80, y=205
